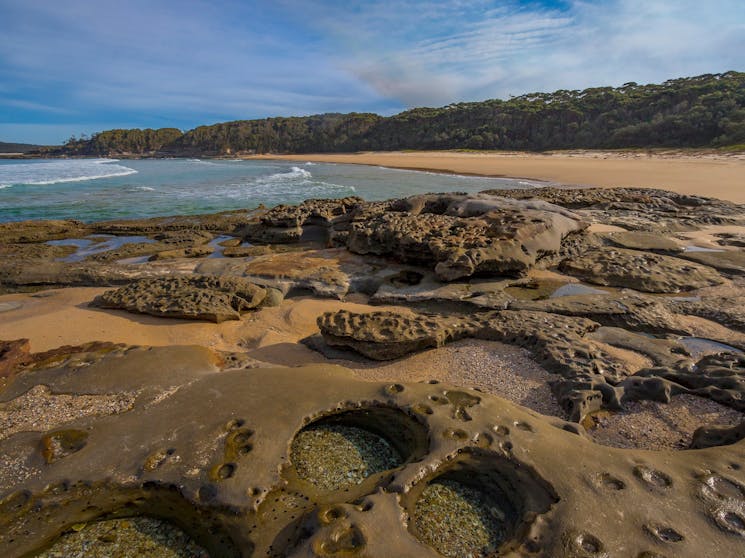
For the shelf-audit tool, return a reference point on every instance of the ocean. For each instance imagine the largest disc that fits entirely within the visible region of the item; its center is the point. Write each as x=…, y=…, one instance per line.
x=98, y=189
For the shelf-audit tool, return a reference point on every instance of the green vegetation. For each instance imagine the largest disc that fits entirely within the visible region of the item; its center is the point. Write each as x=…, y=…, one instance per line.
x=702, y=111
x=17, y=147
x=113, y=142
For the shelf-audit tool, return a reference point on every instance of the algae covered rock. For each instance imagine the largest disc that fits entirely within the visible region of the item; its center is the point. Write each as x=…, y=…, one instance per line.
x=198, y=297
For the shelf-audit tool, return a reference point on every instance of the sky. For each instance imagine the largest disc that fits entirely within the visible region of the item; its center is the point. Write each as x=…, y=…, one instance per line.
x=72, y=67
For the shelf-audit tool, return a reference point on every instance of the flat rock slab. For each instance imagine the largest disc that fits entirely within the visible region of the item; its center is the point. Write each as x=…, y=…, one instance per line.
x=638, y=209
x=726, y=310
x=628, y=310
x=199, y=297
x=644, y=241
x=729, y=261
x=641, y=271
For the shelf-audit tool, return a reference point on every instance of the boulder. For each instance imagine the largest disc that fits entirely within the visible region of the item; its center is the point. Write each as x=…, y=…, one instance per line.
x=198, y=297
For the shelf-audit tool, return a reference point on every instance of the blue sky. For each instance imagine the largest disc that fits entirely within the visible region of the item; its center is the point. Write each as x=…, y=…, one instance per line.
x=78, y=66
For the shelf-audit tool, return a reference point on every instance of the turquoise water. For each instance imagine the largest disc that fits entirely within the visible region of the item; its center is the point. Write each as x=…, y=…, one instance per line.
x=97, y=189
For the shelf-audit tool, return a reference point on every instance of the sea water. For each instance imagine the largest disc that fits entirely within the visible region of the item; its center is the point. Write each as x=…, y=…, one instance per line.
x=97, y=189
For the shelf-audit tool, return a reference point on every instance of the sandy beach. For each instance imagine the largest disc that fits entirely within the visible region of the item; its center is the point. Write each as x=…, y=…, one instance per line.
x=709, y=174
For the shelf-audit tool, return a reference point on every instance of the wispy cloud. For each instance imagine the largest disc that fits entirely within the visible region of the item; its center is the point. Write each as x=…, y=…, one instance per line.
x=160, y=63
x=435, y=53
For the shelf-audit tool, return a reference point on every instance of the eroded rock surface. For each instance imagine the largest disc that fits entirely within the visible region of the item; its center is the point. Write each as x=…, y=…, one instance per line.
x=408, y=457
x=726, y=310
x=198, y=297
x=588, y=359
x=638, y=209
x=456, y=234
x=628, y=310
x=309, y=462
x=731, y=262
x=389, y=335
x=464, y=235
x=642, y=271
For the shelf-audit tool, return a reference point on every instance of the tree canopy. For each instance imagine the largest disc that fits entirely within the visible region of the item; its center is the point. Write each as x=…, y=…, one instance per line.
x=701, y=111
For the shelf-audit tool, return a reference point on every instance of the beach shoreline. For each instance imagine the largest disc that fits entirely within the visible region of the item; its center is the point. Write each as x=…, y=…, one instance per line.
x=708, y=174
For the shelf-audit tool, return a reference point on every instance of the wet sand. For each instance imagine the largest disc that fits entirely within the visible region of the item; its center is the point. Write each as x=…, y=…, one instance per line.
x=714, y=175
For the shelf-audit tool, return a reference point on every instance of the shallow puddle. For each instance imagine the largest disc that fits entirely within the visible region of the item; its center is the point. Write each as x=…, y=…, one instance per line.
x=699, y=347
x=571, y=289
x=96, y=244
x=700, y=249
x=217, y=249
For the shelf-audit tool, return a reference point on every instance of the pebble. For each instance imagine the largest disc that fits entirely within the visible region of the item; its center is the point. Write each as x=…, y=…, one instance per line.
x=125, y=538
x=334, y=456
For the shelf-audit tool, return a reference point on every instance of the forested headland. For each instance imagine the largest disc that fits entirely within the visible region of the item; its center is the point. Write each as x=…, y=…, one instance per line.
x=702, y=111
x=18, y=147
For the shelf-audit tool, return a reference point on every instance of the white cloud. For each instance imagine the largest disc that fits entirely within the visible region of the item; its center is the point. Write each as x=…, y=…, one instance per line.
x=149, y=62
x=424, y=53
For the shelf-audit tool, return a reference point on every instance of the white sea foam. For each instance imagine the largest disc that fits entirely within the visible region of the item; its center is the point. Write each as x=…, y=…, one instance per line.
x=295, y=173
x=290, y=183
x=60, y=171
x=142, y=189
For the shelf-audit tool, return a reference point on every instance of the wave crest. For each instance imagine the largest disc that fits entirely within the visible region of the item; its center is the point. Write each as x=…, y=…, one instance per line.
x=56, y=172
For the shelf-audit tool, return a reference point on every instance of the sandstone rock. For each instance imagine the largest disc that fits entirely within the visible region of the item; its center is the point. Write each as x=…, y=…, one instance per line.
x=388, y=335
x=642, y=209
x=647, y=242
x=628, y=310
x=246, y=463
x=11, y=353
x=18, y=275
x=719, y=377
x=642, y=271
x=183, y=238
x=197, y=297
x=730, y=261
x=731, y=239
x=41, y=231
x=713, y=436
x=332, y=272
x=463, y=235
x=225, y=222
x=194, y=252
x=286, y=223
x=726, y=310
x=424, y=288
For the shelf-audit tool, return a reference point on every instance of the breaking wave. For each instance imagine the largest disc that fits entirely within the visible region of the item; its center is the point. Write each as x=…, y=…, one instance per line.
x=56, y=172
